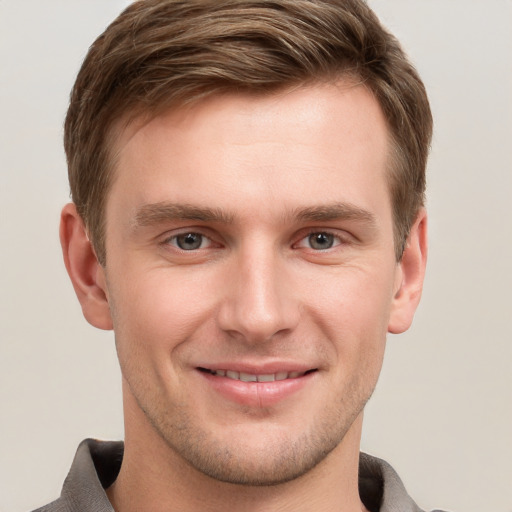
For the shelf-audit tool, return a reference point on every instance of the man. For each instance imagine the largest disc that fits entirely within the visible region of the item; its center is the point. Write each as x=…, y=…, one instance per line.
x=247, y=183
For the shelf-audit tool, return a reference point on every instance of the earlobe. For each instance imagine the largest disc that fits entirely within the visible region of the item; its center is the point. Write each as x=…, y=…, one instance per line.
x=85, y=272
x=410, y=274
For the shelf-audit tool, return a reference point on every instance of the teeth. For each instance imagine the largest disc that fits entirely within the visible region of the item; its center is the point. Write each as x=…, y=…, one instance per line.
x=249, y=377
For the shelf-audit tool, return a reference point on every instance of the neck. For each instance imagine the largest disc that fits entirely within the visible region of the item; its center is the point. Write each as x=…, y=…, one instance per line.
x=154, y=478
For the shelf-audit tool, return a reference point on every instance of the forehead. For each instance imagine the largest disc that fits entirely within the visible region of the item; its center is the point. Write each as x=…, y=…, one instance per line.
x=331, y=138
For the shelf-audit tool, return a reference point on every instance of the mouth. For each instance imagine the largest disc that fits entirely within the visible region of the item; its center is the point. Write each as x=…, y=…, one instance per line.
x=258, y=388
x=251, y=377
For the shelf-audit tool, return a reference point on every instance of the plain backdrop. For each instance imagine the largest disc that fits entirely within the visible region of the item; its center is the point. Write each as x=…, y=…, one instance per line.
x=442, y=410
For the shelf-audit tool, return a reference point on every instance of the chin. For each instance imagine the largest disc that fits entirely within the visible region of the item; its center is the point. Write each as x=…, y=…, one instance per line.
x=267, y=464
x=258, y=455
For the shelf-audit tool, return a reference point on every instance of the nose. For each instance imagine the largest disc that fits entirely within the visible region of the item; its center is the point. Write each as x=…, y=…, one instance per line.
x=259, y=302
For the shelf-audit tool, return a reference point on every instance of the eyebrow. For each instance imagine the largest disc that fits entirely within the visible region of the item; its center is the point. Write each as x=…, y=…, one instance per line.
x=336, y=211
x=150, y=214
x=155, y=213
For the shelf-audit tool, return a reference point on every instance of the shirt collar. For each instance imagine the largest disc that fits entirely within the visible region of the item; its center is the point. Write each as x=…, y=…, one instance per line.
x=97, y=463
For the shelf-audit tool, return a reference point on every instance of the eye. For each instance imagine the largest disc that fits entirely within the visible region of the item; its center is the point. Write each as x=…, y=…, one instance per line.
x=189, y=241
x=320, y=241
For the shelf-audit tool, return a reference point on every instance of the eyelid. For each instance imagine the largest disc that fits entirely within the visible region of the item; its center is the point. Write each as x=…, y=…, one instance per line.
x=205, y=241
x=170, y=236
x=342, y=237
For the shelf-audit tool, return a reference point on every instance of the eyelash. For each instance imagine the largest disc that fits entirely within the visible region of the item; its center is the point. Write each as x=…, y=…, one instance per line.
x=173, y=240
x=335, y=240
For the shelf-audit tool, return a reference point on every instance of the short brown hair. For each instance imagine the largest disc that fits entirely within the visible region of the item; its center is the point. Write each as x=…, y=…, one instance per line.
x=160, y=54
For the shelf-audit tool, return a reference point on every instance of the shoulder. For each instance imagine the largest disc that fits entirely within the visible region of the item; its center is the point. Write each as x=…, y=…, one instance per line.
x=94, y=468
x=381, y=489
x=55, y=506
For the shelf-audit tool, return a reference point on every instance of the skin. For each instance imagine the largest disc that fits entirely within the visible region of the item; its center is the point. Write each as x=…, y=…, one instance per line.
x=264, y=183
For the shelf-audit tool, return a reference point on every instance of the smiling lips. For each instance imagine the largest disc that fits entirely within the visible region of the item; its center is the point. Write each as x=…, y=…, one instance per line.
x=256, y=390
x=249, y=377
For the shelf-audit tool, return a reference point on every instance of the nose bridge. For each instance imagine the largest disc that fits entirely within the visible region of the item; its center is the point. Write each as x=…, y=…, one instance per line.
x=259, y=301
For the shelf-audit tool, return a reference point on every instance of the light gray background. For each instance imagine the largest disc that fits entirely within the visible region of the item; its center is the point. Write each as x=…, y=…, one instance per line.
x=442, y=411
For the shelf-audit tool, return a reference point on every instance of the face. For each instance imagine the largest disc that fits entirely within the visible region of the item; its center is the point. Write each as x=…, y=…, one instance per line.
x=251, y=276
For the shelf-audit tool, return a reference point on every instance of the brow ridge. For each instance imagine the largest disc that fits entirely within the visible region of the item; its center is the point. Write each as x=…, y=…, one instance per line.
x=336, y=211
x=154, y=213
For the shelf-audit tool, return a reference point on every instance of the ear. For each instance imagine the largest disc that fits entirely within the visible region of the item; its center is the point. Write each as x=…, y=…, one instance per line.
x=410, y=276
x=86, y=273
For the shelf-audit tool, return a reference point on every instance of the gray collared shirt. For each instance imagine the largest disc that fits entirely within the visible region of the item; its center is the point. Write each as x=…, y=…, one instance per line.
x=97, y=463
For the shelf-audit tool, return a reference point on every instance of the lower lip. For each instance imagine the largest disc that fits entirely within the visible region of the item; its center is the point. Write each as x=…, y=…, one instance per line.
x=257, y=394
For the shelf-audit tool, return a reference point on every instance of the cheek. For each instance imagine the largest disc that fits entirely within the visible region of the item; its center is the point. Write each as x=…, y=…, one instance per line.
x=357, y=297
x=158, y=311
x=352, y=310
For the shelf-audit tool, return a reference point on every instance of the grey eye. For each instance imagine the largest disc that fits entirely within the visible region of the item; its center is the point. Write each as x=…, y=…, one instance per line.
x=321, y=241
x=189, y=241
